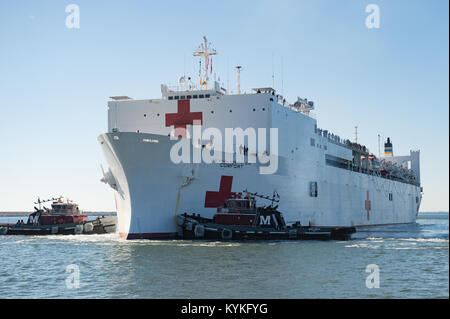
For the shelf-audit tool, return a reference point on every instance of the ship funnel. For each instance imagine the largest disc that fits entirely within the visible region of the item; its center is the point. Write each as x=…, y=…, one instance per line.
x=388, y=150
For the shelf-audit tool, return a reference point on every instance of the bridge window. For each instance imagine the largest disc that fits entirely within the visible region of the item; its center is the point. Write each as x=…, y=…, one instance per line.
x=177, y=97
x=182, y=97
x=207, y=95
x=201, y=96
x=195, y=96
x=189, y=97
x=170, y=97
x=390, y=197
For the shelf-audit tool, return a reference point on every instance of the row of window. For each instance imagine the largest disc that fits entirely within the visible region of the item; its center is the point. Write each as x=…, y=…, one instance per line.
x=188, y=97
x=313, y=191
x=212, y=112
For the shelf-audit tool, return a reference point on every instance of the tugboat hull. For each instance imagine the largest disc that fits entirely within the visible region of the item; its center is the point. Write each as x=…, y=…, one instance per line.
x=99, y=226
x=196, y=227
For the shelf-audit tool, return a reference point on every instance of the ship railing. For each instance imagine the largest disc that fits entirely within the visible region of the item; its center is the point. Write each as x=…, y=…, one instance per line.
x=182, y=88
x=335, y=139
x=377, y=172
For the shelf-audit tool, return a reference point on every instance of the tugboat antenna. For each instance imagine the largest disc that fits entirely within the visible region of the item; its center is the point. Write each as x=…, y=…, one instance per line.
x=273, y=200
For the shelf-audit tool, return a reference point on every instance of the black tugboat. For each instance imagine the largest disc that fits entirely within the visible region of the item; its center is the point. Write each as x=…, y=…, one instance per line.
x=241, y=219
x=63, y=218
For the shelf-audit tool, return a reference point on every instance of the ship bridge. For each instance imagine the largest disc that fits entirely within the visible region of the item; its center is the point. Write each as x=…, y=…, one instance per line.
x=188, y=92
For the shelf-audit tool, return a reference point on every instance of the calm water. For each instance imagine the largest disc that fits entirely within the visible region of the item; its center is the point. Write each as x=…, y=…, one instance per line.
x=412, y=259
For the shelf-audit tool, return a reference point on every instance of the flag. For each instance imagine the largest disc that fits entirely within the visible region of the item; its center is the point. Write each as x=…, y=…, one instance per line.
x=211, y=66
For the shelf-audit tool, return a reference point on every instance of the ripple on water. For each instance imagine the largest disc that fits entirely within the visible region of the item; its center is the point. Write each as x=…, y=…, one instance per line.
x=413, y=263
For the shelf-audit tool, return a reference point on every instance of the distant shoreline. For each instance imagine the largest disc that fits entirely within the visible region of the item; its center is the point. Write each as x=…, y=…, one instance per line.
x=18, y=214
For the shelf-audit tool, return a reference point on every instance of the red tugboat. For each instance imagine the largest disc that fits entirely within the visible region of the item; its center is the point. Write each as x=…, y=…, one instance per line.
x=63, y=218
x=241, y=218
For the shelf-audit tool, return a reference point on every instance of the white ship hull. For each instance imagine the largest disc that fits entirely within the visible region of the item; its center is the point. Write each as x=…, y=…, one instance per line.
x=151, y=190
x=322, y=180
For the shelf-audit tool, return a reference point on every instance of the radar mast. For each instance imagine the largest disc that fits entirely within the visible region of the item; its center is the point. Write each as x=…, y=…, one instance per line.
x=205, y=50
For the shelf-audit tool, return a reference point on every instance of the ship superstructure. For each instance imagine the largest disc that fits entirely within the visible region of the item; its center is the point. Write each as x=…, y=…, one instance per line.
x=324, y=180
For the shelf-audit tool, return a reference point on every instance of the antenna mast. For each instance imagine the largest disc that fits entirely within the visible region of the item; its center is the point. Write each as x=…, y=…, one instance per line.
x=205, y=50
x=379, y=150
x=238, y=68
x=356, y=134
x=273, y=74
x=282, y=77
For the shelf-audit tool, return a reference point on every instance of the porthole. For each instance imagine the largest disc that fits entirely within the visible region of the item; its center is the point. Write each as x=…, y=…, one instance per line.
x=254, y=110
x=264, y=109
x=231, y=111
x=212, y=112
x=157, y=114
x=145, y=115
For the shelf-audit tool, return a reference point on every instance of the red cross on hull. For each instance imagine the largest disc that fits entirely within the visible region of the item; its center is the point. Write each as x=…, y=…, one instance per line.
x=217, y=199
x=183, y=117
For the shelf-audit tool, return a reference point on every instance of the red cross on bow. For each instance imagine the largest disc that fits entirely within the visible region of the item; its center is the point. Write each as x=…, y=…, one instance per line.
x=184, y=117
x=367, y=202
x=217, y=199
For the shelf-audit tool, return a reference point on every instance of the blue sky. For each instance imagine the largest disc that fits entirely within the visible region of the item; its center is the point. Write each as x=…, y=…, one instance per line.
x=55, y=81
